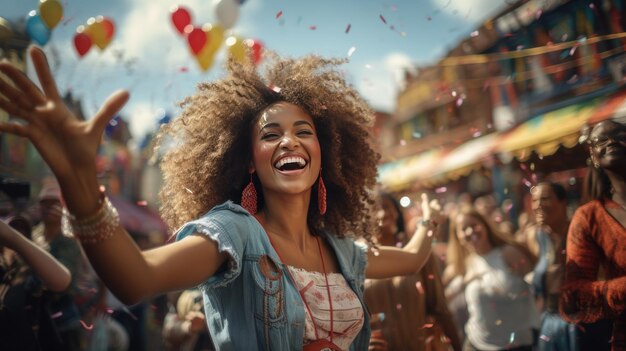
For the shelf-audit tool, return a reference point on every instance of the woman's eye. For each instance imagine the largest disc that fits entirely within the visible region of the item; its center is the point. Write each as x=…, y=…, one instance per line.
x=269, y=136
x=305, y=132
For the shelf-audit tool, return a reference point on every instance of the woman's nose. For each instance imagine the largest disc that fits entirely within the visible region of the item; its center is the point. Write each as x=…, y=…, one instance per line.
x=289, y=141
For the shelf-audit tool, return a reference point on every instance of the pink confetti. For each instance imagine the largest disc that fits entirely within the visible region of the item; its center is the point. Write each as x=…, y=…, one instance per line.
x=142, y=203
x=348, y=28
x=183, y=69
x=427, y=326
x=440, y=190
x=419, y=288
x=280, y=13
x=431, y=276
x=572, y=51
x=399, y=306
x=87, y=327
x=56, y=315
x=312, y=27
x=538, y=14
x=474, y=34
x=383, y=19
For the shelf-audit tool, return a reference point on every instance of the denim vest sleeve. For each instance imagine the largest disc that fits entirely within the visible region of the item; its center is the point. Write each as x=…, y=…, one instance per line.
x=228, y=225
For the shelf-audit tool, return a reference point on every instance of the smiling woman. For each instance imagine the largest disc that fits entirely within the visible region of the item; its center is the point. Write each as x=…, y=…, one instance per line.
x=269, y=184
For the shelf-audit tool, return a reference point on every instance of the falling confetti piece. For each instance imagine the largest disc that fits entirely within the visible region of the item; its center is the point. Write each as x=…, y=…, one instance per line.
x=312, y=27
x=399, y=306
x=431, y=276
x=381, y=315
x=189, y=191
x=56, y=315
x=498, y=322
x=183, y=69
x=87, y=327
x=474, y=34
x=276, y=89
x=440, y=190
x=512, y=338
x=419, y=287
x=279, y=14
x=429, y=234
x=348, y=28
x=383, y=19
x=429, y=18
x=351, y=51
x=142, y=203
x=538, y=14
x=427, y=325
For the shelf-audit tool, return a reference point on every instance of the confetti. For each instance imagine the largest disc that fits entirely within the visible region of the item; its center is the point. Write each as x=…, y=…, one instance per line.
x=381, y=316
x=429, y=18
x=538, y=14
x=399, y=306
x=56, y=315
x=512, y=338
x=431, y=276
x=312, y=27
x=427, y=326
x=348, y=28
x=544, y=338
x=351, y=51
x=474, y=34
x=87, y=327
x=279, y=14
x=189, y=191
x=142, y=203
x=440, y=190
x=498, y=322
x=419, y=287
x=383, y=19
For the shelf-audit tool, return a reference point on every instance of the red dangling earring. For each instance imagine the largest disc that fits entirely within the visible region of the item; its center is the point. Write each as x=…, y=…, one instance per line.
x=321, y=195
x=248, y=197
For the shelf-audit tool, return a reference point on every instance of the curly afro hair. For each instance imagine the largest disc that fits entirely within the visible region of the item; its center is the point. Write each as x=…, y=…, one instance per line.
x=209, y=162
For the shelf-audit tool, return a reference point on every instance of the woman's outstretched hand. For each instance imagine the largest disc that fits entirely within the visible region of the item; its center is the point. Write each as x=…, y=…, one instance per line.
x=67, y=144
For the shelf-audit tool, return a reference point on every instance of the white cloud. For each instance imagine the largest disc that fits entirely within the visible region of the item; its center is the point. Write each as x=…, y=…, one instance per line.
x=142, y=117
x=379, y=82
x=470, y=10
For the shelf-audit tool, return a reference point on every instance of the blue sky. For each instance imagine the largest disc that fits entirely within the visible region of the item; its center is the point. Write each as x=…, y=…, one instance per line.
x=148, y=57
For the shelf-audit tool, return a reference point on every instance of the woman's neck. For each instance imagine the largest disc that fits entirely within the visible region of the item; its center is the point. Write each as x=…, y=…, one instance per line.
x=286, y=217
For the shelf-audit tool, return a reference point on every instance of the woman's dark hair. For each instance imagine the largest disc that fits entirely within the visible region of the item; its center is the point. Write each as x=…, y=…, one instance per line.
x=396, y=206
x=558, y=190
x=597, y=185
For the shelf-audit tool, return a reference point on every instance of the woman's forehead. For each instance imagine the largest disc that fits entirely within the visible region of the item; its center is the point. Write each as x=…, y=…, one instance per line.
x=282, y=110
x=607, y=127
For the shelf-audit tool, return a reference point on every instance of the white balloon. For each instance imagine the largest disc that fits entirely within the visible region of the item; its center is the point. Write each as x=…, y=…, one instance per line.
x=226, y=12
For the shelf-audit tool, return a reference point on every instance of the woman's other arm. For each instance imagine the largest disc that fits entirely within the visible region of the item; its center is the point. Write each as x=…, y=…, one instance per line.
x=55, y=276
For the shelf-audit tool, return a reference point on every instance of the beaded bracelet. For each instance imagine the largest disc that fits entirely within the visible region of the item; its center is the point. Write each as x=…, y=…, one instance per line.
x=95, y=228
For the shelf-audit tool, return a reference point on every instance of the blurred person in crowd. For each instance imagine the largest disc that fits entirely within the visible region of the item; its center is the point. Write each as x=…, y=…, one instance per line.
x=26, y=270
x=267, y=200
x=491, y=267
x=549, y=205
x=596, y=239
x=49, y=234
x=184, y=328
x=416, y=316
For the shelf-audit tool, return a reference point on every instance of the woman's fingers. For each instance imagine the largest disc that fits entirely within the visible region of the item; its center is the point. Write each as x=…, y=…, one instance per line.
x=23, y=84
x=15, y=96
x=43, y=72
x=111, y=106
x=14, y=128
x=15, y=110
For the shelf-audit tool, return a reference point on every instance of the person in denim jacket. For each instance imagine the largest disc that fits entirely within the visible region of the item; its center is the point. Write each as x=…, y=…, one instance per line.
x=268, y=179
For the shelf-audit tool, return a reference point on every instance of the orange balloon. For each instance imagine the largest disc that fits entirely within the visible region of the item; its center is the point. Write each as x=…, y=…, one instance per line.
x=100, y=30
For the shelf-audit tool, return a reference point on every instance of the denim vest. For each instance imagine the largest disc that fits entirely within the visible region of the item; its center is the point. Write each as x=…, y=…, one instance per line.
x=252, y=303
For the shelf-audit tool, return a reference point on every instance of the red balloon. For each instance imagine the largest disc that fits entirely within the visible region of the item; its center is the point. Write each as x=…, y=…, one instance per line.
x=256, y=51
x=197, y=39
x=109, y=27
x=82, y=43
x=181, y=18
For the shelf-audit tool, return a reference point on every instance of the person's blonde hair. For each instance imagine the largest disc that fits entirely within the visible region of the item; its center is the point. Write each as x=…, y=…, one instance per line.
x=212, y=152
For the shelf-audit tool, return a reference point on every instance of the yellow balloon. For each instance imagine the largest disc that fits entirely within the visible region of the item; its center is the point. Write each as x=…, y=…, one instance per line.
x=51, y=12
x=205, y=58
x=237, y=49
x=97, y=33
x=214, y=38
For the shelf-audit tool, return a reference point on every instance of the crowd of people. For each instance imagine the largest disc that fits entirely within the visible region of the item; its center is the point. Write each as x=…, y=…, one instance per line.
x=284, y=241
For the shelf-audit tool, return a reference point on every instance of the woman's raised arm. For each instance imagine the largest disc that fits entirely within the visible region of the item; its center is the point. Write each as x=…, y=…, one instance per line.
x=69, y=146
x=388, y=261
